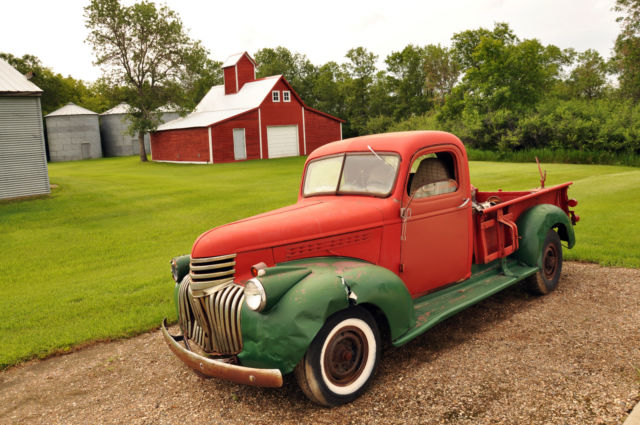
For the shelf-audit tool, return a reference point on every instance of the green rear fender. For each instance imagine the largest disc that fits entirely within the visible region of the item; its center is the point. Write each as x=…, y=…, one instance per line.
x=279, y=336
x=533, y=226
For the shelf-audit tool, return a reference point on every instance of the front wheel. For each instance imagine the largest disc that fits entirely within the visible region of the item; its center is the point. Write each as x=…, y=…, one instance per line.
x=341, y=359
x=546, y=279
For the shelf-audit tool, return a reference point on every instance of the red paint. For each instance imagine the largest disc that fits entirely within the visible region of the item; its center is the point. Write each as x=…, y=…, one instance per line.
x=222, y=137
x=190, y=145
x=229, y=75
x=442, y=233
x=245, y=70
x=319, y=128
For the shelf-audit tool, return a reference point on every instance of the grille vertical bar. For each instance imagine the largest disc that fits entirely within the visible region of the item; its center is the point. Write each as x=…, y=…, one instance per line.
x=212, y=321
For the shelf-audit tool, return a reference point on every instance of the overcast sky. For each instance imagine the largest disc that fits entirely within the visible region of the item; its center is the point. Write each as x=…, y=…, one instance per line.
x=54, y=31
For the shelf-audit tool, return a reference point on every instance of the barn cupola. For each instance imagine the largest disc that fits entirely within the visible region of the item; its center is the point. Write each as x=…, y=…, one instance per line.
x=238, y=70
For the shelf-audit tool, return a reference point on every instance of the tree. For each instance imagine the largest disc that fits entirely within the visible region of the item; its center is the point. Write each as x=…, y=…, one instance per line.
x=361, y=72
x=441, y=72
x=502, y=72
x=589, y=77
x=327, y=90
x=147, y=52
x=626, y=60
x=407, y=81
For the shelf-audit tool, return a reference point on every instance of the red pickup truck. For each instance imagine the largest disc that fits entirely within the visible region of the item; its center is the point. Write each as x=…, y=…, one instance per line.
x=387, y=239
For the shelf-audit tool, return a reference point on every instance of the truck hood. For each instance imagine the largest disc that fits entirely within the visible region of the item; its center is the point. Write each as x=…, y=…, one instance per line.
x=305, y=220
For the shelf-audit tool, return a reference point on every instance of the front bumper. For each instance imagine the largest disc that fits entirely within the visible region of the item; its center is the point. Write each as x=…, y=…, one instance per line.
x=220, y=369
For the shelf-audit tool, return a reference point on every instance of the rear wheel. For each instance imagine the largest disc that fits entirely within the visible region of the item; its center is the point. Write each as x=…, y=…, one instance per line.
x=546, y=279
x=342, y=358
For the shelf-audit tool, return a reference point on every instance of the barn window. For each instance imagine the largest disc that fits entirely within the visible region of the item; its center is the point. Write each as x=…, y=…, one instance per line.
x=275, y=96
x=286, y=96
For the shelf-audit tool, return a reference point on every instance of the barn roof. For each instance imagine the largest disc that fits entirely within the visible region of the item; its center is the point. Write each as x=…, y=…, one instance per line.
x=70, y=109
x=13, y=82
x=233, y=59
x=215, y=106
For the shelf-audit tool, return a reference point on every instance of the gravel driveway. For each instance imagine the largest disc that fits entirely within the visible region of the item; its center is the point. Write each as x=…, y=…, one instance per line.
x=567, y=358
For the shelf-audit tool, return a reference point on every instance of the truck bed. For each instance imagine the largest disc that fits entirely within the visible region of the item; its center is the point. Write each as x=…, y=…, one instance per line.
x=496, y=213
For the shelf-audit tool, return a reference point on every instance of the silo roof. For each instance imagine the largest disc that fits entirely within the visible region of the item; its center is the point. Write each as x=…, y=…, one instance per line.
x=70, y=109
x=124, y=108
x=13, y=82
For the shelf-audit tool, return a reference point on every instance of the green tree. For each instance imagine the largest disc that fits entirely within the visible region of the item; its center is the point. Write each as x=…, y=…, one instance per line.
x=407, y=81
x=327, y=90
x=146, y=51
x=589, y=77
x=441, y=72
x=502, y=72
x=626, y=60
x=360, y=73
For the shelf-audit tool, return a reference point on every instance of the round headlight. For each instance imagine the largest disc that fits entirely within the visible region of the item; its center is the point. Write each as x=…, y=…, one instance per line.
x=254, y=295
x=174, y=270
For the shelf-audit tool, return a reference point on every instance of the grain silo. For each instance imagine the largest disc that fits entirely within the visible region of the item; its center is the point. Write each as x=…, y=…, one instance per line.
x=73, y=133
x=23, y=162
x=114, y=130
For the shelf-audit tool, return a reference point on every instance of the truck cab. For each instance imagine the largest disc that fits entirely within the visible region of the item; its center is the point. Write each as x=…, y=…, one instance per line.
x=388, y=238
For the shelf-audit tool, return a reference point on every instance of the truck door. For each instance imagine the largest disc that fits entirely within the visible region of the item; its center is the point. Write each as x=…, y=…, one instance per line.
x=436, y=231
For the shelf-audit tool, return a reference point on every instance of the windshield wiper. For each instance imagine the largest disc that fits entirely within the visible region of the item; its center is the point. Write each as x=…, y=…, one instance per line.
x=374, y=152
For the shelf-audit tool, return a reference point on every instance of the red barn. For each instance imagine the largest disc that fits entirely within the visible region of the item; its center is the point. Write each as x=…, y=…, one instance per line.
x=245, y=118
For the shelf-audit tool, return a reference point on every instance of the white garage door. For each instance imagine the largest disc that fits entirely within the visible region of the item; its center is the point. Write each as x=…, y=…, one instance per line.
x=282, y=141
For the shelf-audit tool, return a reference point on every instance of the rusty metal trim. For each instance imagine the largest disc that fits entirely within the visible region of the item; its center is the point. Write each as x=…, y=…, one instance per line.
x=219, y=369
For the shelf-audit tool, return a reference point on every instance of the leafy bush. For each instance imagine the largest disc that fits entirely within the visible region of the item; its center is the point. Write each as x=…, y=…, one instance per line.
x=577, y=130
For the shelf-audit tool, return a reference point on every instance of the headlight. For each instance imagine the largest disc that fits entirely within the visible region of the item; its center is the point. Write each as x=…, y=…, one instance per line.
x=174, y=270
x=180, y=267
x=254, y=295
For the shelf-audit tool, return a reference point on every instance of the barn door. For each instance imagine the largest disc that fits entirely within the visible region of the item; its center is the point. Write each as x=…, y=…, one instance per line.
x=239, y=144
x=282, y=140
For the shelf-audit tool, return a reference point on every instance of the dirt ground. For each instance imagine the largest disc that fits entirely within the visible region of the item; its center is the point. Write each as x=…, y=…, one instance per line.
x=571, y=357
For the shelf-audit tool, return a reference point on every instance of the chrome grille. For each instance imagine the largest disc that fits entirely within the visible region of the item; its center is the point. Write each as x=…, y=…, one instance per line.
x=212, y=321
x=211, y=274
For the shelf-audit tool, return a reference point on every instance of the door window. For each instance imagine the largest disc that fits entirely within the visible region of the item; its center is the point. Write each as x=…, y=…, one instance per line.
x=431, y=175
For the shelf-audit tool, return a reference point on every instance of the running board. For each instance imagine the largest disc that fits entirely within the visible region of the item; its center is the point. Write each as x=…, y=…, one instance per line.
x=433, y=308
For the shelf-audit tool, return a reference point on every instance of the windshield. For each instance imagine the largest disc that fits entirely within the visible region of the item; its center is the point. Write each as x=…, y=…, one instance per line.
x=354, y=173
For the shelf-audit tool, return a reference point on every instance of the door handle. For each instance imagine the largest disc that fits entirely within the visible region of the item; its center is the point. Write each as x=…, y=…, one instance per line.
x=465, y=202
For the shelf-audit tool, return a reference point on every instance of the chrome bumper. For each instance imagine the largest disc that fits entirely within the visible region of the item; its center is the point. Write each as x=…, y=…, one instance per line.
x=220, y=369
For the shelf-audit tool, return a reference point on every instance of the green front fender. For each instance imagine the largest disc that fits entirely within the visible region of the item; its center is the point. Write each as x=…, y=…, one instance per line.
x=279, y=336
x=533, y=226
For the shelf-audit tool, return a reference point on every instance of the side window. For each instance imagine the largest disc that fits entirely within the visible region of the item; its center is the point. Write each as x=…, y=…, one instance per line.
x=286, y=96
x=275, y=96
x=432, y=174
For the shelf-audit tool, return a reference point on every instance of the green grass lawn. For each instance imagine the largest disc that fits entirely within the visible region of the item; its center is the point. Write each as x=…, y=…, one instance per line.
x=92, y=260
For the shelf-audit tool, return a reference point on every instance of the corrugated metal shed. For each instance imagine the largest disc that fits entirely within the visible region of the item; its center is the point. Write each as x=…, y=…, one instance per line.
x=114, y=131
x=73, y=133
x=23, y=163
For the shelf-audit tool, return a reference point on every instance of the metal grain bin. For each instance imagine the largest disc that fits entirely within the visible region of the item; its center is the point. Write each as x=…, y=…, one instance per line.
x=23, y=162
x=114, y=130
x=73, y=133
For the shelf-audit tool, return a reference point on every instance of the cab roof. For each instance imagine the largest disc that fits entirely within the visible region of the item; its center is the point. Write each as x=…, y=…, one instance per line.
x=405, y=143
